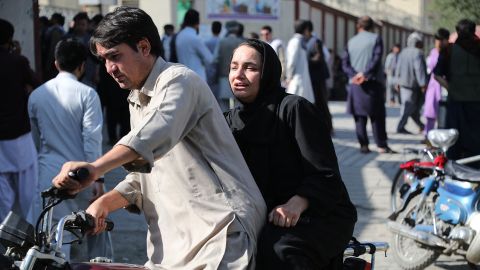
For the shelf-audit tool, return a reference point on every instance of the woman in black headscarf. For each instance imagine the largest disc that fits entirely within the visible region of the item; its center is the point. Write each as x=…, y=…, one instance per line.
x=287, y=146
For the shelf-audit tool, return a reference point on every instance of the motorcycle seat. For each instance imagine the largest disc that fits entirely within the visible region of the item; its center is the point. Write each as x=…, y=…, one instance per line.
x=462, y=172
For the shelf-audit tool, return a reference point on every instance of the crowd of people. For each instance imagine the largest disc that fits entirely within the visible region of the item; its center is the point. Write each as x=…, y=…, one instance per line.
x=235, y=139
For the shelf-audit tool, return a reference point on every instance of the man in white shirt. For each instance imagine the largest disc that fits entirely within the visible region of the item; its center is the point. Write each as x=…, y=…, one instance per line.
x=298, y=76
x=191, y=50
x=169, y=31
x=277, y=45
x=66, y=120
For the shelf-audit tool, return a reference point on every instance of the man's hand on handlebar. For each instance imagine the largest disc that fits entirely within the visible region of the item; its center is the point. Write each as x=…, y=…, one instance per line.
x=64, y=181
x=99, y=212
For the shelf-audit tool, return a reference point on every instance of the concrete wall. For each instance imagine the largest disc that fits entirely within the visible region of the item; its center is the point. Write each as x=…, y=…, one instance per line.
x=20, y=14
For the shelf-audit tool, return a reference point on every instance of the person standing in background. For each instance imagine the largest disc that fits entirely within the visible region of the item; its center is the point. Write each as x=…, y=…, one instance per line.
x=390, y=63
x=433, y=94
x=297, y=74
x=319, y=73
x=190, y=49
x=53, y=35
x=66, y=119
x=212, y=43
x=222, y=57
x=366, y=96
x=266, y=34
x=458, y=70
x=411, y=78
x=168, y=33
x=18, y=156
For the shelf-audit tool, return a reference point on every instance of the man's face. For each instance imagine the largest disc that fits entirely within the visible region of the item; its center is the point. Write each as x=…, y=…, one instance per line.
x=81, y=26
x=128, y=67
x=265, y=35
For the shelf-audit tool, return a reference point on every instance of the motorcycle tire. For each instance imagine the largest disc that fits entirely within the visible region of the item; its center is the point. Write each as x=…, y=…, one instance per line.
x=409, y=254
x=398, y=185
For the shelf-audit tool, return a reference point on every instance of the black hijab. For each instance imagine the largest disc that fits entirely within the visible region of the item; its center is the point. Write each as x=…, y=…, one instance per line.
x=255, y=121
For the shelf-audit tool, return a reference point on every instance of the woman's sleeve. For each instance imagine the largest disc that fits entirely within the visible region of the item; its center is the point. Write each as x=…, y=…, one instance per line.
x=321, y=184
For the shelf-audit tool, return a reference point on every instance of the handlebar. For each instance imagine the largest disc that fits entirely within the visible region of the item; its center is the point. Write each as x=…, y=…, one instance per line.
x=79, y=175
x=365, y=248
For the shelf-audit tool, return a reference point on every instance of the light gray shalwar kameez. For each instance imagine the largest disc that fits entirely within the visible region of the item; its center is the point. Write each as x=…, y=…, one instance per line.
x=202, y=206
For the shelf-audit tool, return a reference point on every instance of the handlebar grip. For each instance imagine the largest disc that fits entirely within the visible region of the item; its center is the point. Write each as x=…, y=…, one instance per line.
x=110, y=225
x=80, y=174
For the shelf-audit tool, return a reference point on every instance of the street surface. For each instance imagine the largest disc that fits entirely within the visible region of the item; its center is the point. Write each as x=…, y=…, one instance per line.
x=367, y=176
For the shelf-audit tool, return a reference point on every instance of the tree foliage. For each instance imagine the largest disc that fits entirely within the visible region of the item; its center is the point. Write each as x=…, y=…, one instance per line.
x=446, y=13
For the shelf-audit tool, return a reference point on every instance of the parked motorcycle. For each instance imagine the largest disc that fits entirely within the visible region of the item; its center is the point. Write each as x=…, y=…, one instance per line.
x=436, y=209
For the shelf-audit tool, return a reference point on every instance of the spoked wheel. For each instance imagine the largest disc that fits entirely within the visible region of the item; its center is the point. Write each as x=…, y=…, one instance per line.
x=408, y=253
x=401, y=184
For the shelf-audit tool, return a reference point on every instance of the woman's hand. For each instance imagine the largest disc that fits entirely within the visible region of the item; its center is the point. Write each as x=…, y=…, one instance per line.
x=287, y=215
x=99, y=211
x=63, y=181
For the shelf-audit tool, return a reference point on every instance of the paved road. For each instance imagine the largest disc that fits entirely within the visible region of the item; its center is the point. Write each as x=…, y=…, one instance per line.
x=367, y=176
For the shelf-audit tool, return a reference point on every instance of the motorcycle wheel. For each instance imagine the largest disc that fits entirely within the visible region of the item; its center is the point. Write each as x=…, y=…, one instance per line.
x=398, y=186
x=408, y=253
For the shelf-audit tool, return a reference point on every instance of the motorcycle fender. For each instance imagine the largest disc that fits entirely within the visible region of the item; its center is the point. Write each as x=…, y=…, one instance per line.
x=415, y=189
x=106, y=266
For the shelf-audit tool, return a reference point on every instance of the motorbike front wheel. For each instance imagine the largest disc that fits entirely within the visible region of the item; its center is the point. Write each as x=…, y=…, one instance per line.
x=408, y=253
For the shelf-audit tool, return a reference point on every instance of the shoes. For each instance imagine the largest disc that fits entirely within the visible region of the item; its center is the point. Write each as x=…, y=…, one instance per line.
x=386, y=150
x=403, y=131
x=364, y=149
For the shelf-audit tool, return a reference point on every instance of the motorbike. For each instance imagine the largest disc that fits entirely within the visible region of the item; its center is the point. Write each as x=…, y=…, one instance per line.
x=436, y=209
x=40, y=247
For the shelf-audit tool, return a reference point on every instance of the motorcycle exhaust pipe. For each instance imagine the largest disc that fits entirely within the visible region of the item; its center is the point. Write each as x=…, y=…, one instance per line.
x=419, y=236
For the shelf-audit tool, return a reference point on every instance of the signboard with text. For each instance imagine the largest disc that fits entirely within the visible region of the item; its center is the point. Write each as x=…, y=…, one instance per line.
x=243, y=9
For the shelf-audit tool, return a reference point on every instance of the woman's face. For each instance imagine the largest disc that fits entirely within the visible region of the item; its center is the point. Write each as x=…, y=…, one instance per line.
x=245, y=73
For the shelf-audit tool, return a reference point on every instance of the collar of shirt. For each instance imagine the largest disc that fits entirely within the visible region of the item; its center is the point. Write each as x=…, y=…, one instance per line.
x=66, y=74
x=149, y=85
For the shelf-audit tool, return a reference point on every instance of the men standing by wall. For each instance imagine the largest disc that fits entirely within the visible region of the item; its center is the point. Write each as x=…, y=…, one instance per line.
x=411, y=78
x=18, y=157
x=66, y=119
x=297, y=74
x=190, y=49
x=362, y=63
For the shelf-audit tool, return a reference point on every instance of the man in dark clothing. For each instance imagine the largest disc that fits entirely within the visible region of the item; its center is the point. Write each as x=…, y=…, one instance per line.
x=362, y=63
x=319, y=73
x=290, y=154
x=458, y=70
x=18, y=157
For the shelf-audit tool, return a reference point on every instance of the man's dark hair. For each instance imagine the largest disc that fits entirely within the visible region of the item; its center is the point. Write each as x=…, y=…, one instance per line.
x=465, y=29
x=309, y=26
x=6, y=32
x=240, y=30
x=397, y=45
x=168, y=27
x=97, y=19
x=81, y=16
x=126, y=25
x=70, y=54
x=301, y=26
x=365, y=22
x=192, y=18
x=442, y=34
x=216, y=27
x=268, y=28
x=58, y=18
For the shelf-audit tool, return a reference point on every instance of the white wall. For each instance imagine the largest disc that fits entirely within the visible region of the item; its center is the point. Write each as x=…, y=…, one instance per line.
x=20, y=14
